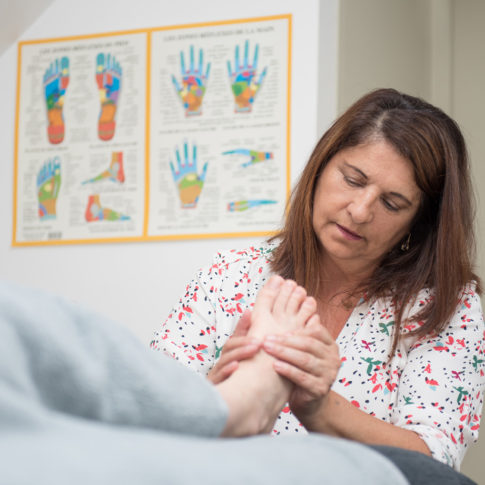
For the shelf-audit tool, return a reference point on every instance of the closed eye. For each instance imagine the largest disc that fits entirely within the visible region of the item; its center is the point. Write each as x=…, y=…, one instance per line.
x=390, y=206
x=353, y=182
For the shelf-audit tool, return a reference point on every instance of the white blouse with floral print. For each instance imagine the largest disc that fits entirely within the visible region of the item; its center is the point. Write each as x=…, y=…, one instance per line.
x=432, y=386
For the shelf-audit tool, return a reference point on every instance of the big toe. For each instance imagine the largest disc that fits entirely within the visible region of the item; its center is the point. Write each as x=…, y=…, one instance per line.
x=268, y=294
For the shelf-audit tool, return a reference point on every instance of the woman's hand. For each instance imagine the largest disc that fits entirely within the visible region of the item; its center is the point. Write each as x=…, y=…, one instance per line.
x=238, y=347
x=310, y=359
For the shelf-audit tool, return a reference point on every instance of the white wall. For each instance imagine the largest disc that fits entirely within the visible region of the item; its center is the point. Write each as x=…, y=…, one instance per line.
x=137, y=283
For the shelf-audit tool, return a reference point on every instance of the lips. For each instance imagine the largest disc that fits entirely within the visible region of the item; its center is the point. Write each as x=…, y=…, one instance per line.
x=348, y=234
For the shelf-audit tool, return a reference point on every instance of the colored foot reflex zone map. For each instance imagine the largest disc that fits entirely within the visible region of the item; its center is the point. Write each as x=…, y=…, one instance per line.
x=108, y=78
x=156, y=133
x=56, y=80
x=114, y=172
x=48, y=185
x=96, y=212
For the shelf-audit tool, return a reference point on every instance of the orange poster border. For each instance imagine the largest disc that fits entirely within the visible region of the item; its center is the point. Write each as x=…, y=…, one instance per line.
x=145, y=237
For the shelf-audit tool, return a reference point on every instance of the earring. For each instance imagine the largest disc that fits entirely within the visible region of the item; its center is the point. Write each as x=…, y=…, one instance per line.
x=405, y=244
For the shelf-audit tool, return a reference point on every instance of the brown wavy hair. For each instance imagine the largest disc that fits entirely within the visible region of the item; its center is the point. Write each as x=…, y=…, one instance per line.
x=442, y=238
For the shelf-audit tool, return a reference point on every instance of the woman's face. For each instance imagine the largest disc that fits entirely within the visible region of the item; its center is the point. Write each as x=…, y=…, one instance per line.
x=365, y=200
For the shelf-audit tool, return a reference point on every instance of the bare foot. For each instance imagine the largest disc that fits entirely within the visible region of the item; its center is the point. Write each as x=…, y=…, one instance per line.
x=281, y=306
x=255, y=393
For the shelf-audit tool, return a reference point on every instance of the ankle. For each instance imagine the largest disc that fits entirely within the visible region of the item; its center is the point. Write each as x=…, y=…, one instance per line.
x=254, y=402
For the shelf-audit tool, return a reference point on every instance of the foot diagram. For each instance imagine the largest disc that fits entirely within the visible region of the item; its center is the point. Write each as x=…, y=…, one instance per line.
x=56, y=80
x=254, y=156
x=189, y=183
x=48, y=185
x=115, y=172
x=244, y=205
x=95, y=212
x=108, y=79
x=194, y=83
x=244, y=81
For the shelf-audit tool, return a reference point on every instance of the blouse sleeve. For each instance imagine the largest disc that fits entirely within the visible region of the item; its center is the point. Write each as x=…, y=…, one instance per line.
x=207, y=313
x=441, y=387
x=189, y=332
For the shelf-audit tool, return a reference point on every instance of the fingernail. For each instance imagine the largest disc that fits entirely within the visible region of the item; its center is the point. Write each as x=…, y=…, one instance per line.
x=271, y=338
x=278, y=365
x=268, y=345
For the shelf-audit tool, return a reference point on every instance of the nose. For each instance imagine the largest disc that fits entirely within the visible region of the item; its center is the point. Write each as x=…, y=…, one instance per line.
x=361, y=207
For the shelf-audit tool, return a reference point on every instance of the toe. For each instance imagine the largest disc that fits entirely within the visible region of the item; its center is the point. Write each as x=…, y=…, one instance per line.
x=268, y=294
x=283, y=297
x=307, y=310
x=295, y=300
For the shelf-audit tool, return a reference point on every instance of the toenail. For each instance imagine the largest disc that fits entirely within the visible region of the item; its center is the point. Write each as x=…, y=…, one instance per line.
x=274, y=282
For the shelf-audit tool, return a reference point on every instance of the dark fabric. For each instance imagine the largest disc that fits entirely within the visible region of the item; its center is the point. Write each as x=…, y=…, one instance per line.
x=420, y=469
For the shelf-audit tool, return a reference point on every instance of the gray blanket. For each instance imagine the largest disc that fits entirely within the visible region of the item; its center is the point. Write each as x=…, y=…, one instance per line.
x=83, y=402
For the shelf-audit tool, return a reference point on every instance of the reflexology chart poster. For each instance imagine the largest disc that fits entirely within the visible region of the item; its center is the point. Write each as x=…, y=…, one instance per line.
x=163, y=133
x=81, y=139
x=219, y=128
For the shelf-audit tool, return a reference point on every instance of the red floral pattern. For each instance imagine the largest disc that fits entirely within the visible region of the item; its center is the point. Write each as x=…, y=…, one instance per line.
x=432, y=385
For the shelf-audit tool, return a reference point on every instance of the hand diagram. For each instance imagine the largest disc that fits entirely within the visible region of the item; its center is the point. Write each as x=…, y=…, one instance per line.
x=194, y=83
x=188, y=182
x=254, y=156
x=243, y=79
x=244, y=205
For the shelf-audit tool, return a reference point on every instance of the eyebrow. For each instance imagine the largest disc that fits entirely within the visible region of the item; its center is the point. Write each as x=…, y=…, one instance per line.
x=363, y=175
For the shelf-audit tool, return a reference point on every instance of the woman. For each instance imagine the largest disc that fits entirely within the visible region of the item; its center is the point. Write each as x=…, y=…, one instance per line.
x=379, y=232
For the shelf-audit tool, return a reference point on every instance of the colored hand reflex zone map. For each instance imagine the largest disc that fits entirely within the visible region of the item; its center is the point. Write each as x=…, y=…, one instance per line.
x=189, y=183
x=252, y=157
x=246, y=82
x=194, y=82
